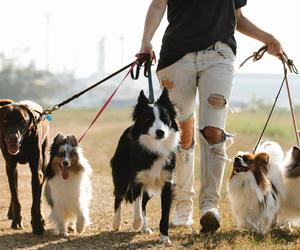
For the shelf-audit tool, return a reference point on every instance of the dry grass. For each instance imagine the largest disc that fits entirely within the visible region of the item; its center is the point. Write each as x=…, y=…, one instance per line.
x=99, y=145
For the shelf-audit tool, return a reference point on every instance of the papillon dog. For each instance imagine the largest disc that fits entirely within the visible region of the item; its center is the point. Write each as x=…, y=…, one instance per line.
x=144, y=161
x=255, y=187
x=68, y=187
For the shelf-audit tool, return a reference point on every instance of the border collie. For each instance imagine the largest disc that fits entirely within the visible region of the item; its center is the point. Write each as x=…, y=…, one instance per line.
x=255, y=187
x=68, y=188
x=144, y=162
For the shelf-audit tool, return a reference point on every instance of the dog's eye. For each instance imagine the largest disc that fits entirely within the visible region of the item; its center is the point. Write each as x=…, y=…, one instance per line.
x=165, y=118
x=246, y=159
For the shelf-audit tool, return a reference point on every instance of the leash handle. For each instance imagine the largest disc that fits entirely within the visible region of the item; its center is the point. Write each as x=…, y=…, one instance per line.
x=146, y=60
x=109, y=99
x=147, y=73
x=287, y=63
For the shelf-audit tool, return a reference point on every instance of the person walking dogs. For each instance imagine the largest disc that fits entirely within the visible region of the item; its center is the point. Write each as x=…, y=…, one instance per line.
x=198, y=54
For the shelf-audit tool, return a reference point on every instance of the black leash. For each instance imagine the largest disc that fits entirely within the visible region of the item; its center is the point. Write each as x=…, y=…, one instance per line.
x=141, y=58
x=148, y=62
x=287, y=64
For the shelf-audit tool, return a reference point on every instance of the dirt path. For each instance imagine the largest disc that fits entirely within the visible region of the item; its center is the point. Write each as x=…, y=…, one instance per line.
x=98, y=146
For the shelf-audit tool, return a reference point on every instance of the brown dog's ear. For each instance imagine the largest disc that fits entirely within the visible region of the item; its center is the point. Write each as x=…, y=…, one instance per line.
x=262, y=160
x=59, y=138
x=72, y=140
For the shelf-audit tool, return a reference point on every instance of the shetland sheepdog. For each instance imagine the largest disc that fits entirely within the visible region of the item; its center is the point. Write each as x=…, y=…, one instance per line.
x=144, y=162
x=68, y=188
x=255, y=187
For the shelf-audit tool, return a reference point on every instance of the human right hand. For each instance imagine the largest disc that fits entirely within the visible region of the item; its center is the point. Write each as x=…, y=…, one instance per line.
x=147, y=48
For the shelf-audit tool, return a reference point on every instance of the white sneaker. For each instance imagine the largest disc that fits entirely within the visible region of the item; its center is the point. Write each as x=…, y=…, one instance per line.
x=183, y=214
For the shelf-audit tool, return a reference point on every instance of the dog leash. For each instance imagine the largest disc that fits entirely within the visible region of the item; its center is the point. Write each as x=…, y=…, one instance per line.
x=141, y=58
x=148, y=62
x=287, y=64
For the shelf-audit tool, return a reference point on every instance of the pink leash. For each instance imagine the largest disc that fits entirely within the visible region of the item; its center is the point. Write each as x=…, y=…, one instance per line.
x=139, y=57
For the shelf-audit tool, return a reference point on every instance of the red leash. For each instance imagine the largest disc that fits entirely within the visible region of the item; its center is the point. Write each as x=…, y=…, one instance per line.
x=139, y=59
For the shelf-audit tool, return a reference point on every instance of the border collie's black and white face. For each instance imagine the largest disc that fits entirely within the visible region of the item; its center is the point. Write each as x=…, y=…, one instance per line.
x=155, y=123
x=155, y=120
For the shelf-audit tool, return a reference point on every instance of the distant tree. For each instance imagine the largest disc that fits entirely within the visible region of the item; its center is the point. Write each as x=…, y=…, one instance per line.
x=19, y=82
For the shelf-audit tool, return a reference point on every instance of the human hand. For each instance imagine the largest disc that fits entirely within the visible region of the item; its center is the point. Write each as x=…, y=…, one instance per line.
x=274, y=46
x=147, y=48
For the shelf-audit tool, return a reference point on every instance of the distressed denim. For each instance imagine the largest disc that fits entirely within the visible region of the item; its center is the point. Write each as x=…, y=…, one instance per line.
x=210, y=73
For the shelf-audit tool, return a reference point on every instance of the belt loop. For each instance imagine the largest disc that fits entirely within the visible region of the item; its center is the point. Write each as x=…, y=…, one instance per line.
x=215, y=46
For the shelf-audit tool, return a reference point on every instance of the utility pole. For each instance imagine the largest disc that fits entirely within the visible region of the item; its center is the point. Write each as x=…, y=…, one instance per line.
x=122, y=49
x=47, y=42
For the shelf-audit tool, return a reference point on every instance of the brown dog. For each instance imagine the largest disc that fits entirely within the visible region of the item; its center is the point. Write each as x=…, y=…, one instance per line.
x=24, y=139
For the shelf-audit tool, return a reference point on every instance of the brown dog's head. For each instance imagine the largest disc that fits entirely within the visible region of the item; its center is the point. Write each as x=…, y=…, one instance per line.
x=15, y=122
x=257, y=164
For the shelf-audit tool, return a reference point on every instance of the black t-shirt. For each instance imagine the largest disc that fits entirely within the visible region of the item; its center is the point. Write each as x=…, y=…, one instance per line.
x=195, y=25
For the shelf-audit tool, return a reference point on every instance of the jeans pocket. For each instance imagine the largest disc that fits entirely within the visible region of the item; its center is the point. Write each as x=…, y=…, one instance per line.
x=224, y=51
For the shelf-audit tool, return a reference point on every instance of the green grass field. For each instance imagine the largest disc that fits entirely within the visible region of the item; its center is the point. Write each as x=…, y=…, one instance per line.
x=99, y=145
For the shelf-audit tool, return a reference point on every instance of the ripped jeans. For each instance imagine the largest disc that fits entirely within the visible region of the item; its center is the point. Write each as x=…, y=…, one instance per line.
x=210, y=73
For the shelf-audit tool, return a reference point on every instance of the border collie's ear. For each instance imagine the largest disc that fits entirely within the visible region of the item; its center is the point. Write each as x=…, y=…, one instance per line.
x=164, y=96
x=142, y=98
x=296, y=153
x=71, y=139
x=165, y=101
x=59, y=138
x=142, y=102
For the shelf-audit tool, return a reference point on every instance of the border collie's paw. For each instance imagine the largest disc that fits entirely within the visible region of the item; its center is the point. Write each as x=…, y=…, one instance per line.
x=165, y=239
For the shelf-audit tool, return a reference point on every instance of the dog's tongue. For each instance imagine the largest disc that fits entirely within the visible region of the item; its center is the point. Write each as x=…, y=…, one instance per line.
x=13, y=149
x=65, y=172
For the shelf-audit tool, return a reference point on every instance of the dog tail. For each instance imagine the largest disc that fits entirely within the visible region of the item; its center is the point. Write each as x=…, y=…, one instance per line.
x=4, y=102
x=274, y=150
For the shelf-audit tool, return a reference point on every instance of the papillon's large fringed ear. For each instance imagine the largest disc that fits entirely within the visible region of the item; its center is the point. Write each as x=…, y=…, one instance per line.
x=71, y=139
x=262, y=160
x=164, y=100
x=296, y=153
x=59, y=138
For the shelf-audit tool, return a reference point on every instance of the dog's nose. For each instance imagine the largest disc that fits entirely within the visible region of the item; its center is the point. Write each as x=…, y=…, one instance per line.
x=65, y=163
x=160, y=133
x=13, y=138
